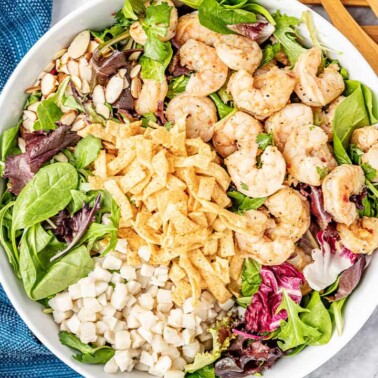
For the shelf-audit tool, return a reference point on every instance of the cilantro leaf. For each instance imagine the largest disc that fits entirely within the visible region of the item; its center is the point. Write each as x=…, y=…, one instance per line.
x=264, y=140
x=287, y=33
x=294, y=332
x=242, y=203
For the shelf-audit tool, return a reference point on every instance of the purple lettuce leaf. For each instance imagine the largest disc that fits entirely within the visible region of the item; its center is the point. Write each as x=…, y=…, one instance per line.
x=350, y=278
x=72, y=229
x=261, y=314
x=40, y=148
x=175, y=68
x=315, y=195
x=357, y=199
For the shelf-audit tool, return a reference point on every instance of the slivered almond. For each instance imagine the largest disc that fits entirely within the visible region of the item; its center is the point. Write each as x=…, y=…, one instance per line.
x=60, y=53
x=61, y=158
x=122, y=72
x=69, y=117
x=85, y=87
x=92, y=46
x=33, y=89
x=79, y=124
x=61, y=77
x=85, y=70
x=103, y=110
x=113, y=89
x=33, y=107
x=41, y=75
x=135, y=71
x=28, y=119
x=79, y=45
x=49, y=67
x=136, y=87
x=21, y=144
x=135, y=55
x=76, y=80
x=65, y=58
x=73, y=68
x=48, y=84
x=98, y=95
x=126, y=83
x=64, y=69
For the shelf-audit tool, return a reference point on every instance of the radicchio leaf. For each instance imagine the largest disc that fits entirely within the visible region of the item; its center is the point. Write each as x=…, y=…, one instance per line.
x=350, y=278
x=72, y=229
x=329, y=261
x=40, y=148
x=175, y=68
x=315, y=195
x=358, y=198
x=259, y=31
x=261, y=313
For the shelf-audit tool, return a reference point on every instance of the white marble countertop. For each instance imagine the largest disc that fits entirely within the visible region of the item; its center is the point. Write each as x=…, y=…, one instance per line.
x=360, y=357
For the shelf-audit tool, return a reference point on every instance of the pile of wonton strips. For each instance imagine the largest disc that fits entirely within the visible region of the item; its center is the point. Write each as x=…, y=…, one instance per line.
x=172, y=195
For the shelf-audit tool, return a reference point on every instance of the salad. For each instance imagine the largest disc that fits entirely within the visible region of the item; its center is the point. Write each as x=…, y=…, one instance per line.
x=192, y=192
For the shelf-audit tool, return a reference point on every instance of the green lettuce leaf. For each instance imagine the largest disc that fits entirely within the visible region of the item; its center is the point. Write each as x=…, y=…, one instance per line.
x=241, y=203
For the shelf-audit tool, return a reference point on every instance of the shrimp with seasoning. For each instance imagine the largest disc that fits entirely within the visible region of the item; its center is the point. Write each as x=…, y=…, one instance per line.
x=239, y=53
x=262, y=95
x=189, y=27
x=361, y=236
x=316, y=90
x=344, y=181
x=308, y=156
x=152, y=93
x=291, y=212
x=138, y=34
x=282, y=123
x=235, y=132
x=328, y=115
x=200, y=113
x=211, y=72
x=253, y=181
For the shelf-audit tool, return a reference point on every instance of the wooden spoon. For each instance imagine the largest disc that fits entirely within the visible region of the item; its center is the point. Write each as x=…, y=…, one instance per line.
x=374, y=5
x=349, y=27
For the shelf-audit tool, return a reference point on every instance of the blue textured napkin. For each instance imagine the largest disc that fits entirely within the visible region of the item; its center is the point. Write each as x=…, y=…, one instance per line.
x=22, y=22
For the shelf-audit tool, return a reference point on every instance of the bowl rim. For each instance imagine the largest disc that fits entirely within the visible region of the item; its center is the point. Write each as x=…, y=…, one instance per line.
x=60, y=26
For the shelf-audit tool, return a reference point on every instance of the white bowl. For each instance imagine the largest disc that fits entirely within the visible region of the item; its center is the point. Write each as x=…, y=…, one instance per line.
x=97, y=15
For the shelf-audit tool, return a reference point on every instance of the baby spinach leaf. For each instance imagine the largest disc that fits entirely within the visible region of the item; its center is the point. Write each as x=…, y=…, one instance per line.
x=349, y=116
x=86, y=151
x=192, y=3
x=8, y=144
x=223, y=109
x=5, y=236
x=294, y=332
x=242, y=203
x=88, y=354
x=318, y=317
x=48, y=114
x=251, y=278
x=287, y=33
x=177, y=85
x=45, y=195
x=371, y=104
x=216, y=16
x=64, y=272
x=336, y=312
x=78, y=198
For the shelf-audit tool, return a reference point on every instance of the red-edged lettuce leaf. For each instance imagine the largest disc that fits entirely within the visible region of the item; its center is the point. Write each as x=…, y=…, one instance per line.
x=40, y=148
x=258, y=31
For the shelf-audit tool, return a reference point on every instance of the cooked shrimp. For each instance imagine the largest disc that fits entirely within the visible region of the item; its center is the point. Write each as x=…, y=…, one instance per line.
x=365, y=137
x=189, y=27
x=291, y=212
x=361, y=236
x=344, y=181
x=263, y=95
x=314, y=90
x=371, y=158
x=235, y=132
x=300, y=259
x=138, y=34
x=307, y=155
x=328, y=115
x=266, y=251
x=239, y=53
x=282, y=123
x=251, y=180
x=152, y=93
x=211, y=72
x=200, y=112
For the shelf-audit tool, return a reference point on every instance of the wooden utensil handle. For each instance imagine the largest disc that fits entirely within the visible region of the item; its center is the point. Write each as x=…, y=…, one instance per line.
x=353, y=3
x=349, y=27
